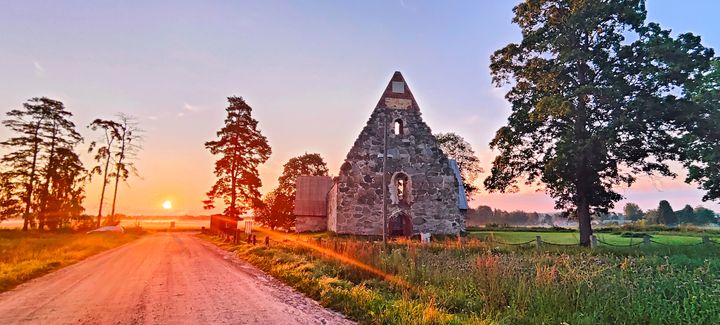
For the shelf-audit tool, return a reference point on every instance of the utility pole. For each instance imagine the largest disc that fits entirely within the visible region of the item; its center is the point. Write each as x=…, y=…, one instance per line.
x=384, y=178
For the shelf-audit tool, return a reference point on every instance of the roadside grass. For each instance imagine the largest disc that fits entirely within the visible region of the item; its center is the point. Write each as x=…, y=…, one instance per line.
x=478, y=282
x=27, y=255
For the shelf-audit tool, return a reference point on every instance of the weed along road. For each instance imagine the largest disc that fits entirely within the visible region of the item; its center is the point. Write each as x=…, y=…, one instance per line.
x=168, y=278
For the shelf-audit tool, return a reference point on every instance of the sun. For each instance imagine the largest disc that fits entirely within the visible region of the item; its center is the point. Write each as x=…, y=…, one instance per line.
x=167, y=205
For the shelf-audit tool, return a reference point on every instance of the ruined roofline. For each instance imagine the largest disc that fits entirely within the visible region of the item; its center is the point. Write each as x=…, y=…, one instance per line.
x=397, y=95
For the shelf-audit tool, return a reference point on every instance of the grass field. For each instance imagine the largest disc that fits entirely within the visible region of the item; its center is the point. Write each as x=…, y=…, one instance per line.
x=574, y=237
x=478, y=282
x=27, y=255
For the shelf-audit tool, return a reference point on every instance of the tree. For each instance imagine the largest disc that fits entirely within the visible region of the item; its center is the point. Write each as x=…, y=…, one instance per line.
x=60, y=139
x=455, y=147
x=591, y=109
x=701, y=142
x=704, y=216
x=45, y=137
x=632, y=211
x=10, y=197
x=104, y=154
x=278, y=205
x=26, y=146
x=652, y=216
x=686, y=215
x=128, y=145
x=241, y=148
x=275, y=211
x=66, y=192
x=309, y=164
x=665, y=214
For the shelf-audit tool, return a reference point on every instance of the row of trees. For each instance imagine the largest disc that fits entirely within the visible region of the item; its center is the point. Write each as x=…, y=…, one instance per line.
x=42, y=176
x=664, y=214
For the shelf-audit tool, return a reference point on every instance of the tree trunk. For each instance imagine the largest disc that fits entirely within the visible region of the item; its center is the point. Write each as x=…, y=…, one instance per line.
x=117, y=181
x=49, y=173
x=583, y=215
x=102, y=193
x=29, y=186
x=117, y=174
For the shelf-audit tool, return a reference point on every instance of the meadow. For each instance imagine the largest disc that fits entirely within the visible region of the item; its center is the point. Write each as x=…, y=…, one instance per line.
x=479, y=281
x=27, y=255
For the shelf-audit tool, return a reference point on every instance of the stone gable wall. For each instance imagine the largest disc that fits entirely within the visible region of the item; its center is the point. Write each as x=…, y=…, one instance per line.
x=416, y=153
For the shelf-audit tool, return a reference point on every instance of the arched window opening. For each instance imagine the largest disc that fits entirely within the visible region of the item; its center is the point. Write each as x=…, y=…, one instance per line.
x=398, y=127
x=400, y=189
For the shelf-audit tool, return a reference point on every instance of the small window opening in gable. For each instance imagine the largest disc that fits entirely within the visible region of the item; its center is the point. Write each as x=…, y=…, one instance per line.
x=398, y=127
x=398, y=87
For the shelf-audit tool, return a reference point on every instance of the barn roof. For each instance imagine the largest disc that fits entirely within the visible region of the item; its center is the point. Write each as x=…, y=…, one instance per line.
x=462, y=200
x=311, y=195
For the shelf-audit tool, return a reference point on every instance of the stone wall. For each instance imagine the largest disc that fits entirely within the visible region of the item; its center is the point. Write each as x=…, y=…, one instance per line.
x=332, y=209
x=434, y=205
x=310, y=223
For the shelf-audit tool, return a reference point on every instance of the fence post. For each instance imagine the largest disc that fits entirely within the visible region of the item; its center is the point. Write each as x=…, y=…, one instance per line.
x=267, y=241
x=538, y=241
x=593, y=241
x=646, y=240
x=706, y=240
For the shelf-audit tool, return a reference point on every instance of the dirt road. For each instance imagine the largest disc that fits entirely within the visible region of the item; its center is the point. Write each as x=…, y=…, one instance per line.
x=161, y=279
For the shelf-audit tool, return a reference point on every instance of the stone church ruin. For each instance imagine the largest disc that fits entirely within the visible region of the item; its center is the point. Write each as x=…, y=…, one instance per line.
x=424, y=192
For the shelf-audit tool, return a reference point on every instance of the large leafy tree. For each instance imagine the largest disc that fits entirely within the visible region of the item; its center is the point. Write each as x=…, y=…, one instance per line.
x=701, y=144
x=597, y=97
x=455, y=147
x=686, y=215
x=242, y=148
x=666, y=215
x=633, y=212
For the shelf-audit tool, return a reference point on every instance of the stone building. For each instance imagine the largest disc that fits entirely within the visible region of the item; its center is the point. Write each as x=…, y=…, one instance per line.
x=424, y=191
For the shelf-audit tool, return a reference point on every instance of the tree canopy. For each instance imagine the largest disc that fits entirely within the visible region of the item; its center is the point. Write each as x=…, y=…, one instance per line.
x=278, y=205
x=455, y=147
x=597, y=96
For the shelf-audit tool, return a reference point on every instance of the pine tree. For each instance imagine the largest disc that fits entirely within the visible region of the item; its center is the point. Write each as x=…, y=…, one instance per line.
x=23, y=160
x=242, y=148
x=128, y=144
x=104, y=154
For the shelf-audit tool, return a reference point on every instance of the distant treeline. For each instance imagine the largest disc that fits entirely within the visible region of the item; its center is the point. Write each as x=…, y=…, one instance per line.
x=663, y=215
x=485, y=215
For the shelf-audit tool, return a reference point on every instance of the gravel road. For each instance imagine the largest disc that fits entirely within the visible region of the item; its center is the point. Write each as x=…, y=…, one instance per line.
x=168, y=278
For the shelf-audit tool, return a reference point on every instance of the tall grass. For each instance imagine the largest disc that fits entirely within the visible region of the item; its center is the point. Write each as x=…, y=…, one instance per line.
x=476, y=282
x=27, y=255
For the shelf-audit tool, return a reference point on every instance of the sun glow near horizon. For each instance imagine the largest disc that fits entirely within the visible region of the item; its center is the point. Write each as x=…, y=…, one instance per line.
x=167, y=205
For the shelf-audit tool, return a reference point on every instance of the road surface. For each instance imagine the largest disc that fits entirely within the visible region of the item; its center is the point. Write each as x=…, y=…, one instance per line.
x=169, y=278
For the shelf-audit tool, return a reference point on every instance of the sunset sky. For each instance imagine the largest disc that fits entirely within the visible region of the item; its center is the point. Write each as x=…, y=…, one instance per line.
x=312, y=71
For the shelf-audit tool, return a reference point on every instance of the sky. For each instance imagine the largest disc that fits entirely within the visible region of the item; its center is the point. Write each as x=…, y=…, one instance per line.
x=312, y=71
